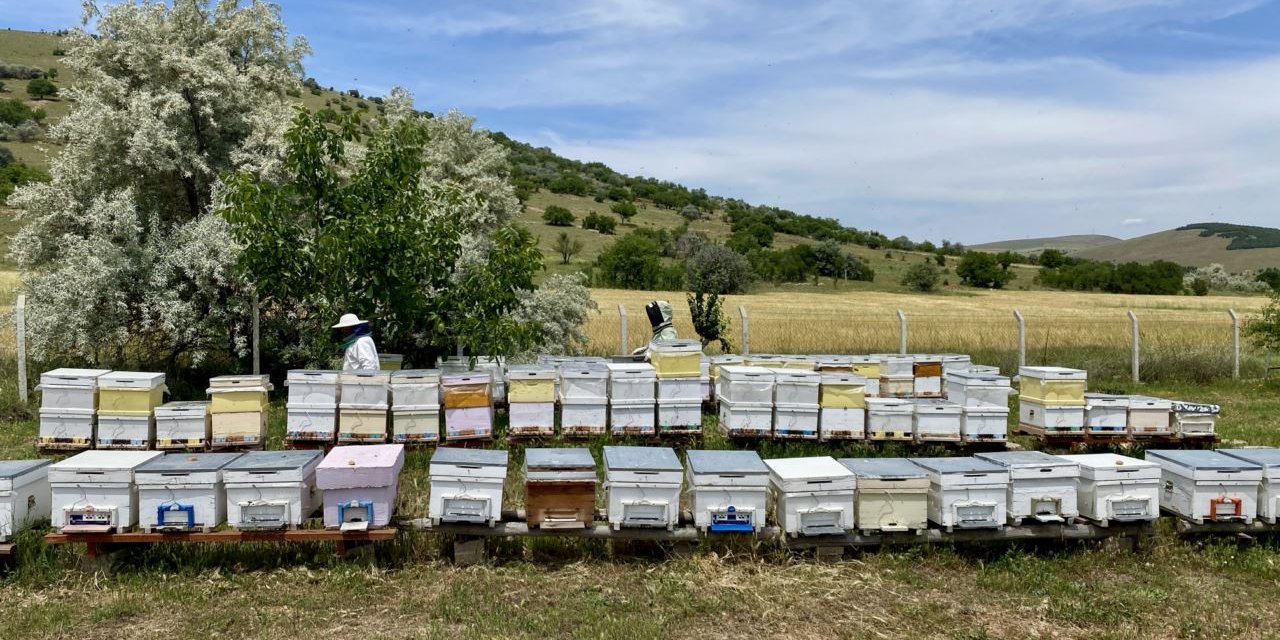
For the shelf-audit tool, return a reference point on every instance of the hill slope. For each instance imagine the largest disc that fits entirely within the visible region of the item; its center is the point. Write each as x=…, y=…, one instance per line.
x=1186, y=247
x=1066, y=244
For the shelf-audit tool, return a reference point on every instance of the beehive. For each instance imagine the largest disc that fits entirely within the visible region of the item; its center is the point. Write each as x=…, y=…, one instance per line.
x=410, y=427
x=121, y=431
x=130, y=393
x=966, y=492
x=1053, y=419
x=359, y=485
x=1208, y=485
x=955, y=363
x=632, y=398
x=890, y=419
x=248, y=429
x=727, y=490
x=390, y=361
x=312, y=407
x=1149, y=416
x=838, y=423
x=1269, y=493
x=238, y=394
x=183, y=425
x=70, y=389
x=643, y=487
x=271, y=489
x=468, y=405
x=415, y=390
x=182, y=491
x=559, y=487
x=1194, y=419
x=897, y=386
x=1053, y=386
x=466, y=485
x=926, y=374
x=531, y=396
x=844, y=390
x=745, y=385
x=93, y=491
x=868, y=367
x=812, y=496
x=1041, y=487
x=936, y=421
x=972, y=389
x=1117, y=488
x=24, y=494
x=895, y=365
x=676, y=358
x=892, y=494
x=1106, y=414
x=984, y=424
x=833, y=364
x=362, y=426
x=584, y=399
x=364, y=390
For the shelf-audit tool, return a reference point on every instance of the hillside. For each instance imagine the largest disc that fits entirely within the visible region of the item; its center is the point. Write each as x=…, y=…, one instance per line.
x=1066, y=244
x=1187, y=247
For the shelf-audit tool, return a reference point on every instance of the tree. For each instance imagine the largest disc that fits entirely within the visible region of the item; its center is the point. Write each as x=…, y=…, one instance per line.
x=15, y=112
x=567, y=247
x=631, y=262
x=922, y=277
x=1052, y=258
x=691, y=213
x=41, y=89
x=557, y=216
x=559, y=308
x=1270, y=276
x=1200, y=287
x=603, y=224
x=940, y=259
x=124, y=265
x=830, y=260
x=570, y=183
x=707, y=311
x=51, y=73
x=28, y=131
x=1264, y=329
x=1007, y=259
x=317, y=240
x=713, y=268
x=625, y=210
x=980, y=269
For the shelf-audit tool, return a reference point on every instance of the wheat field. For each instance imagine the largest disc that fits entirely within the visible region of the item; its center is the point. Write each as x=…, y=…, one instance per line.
x=1180, y=336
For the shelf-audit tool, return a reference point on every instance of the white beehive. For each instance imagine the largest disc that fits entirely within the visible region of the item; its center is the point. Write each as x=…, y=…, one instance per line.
x=311, y=411
x=955, y=363
x=1053, y=419
x=936, y=421
x=1041, y=487
x=892, y=494
x=182, y=491
x=926, y=372
x=833, y=364
x=271, y=489
x=632, y=398
x=835, y=423
x=358, y=485
x=811, y=496
x=364, y=390
x=67, y=428
x=183, y=425
x=466, y=485
x=1269, y=494
x=795, y=387
x=745, y=385
x=972, y=389
x=727, y=490
x=24, y=494
x=895, y=365
x=1208, y=485
x=94, y=492
x=1149, y=416
x=984, y=369
x=746, y=420
x=76, y=389
x=583, y=382
x=1194, y=419
x=1117, y=488
x=125, y=432
x=1106, y=414
x=415, y=427
x=312, y=388
x=890, y=419
x=415, y=390
x=966, y=493
x=984, y=424
x=643, y=486
x=897, y=386
x=531, y=419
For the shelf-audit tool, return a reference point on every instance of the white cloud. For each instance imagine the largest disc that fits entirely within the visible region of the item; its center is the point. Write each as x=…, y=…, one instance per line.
x=1133, y=221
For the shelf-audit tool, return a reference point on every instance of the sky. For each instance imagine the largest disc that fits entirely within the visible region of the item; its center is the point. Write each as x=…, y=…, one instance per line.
x=967, y=120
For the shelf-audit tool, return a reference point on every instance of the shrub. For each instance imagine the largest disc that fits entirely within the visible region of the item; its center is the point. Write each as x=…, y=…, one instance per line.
x=293, y=93
x=940, y=259
x=1216, y=277
x=1264, y=330
x=59, y=52
x=707, y=311
x=597, y=222
x=981, y=269
x=41, y=89
x=19, y=71
x=631, y=262
x=28, y=131
x=557, y=216
x=570, y=183
x=1200, y=287
x=559, y=308
x=567, y=247
x=6, y=157
x=15, y=112
x=51, y=73
x=624, y=210
x=921, y=277
x=713, y=268
x=691, y=213
x=16, y=174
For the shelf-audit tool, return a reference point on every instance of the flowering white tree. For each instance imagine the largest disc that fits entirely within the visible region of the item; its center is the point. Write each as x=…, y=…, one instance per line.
x=123, y=262
x=560, y=308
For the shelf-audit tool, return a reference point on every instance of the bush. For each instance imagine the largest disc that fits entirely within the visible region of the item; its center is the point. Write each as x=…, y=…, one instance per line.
x=707, y=312
x=51, y=73
x=1216, y=277
x=557, y=216
x=1270, y=277
x=1264, y=330
x=6, y=157
x=59, y=52
x=981, y=269
x=631, y=262
x=41, y=89
x=16, y=174
x=19, y=72
x=567, y=247
x=28, y=131
x=570, y=183
x=691, y=213
x=624, y=210
x=15, y=112
x=1200, y=287
x=921, y=277
x=713, y=268
x=597, y=222
x=940, y=259
x=293, y=93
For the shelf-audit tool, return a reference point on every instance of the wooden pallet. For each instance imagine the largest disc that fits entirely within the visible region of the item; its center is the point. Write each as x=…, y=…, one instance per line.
x=96, y=543
x=1164, y=441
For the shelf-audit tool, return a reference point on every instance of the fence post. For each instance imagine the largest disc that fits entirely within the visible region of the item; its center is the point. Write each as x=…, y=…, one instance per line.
x=257, y=362
x=902, y=332
x=1133, y=322
x=1022, y=338
x=623, y=347
x=20, y=318
x=746, y=331
x=1235, y=344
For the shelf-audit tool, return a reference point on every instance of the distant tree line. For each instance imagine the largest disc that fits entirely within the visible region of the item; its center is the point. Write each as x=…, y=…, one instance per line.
x=1242, y=236
x=1061, y=271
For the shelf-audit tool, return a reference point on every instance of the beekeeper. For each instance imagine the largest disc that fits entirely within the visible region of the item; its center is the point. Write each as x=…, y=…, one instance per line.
x=359, y=351
x=660, y=317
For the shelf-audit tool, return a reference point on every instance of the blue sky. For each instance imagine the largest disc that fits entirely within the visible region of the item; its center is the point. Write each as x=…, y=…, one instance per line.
x=967, y=120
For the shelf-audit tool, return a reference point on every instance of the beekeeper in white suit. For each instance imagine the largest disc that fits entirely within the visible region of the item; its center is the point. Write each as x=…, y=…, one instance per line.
x=359, y=351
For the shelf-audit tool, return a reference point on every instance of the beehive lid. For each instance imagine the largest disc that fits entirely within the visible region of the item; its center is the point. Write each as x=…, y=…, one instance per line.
x=131, y=380
x=1263, y=456
x=1105, y=399
x=558, y=458
x=370, y=376
x=676, y=346
x=984, y=368
x=73, y=377
x=734, y=462
x=842, y=378
x=10, y=469
x=976, y=377
x=890, y=403
x=479, y=457
x=819, y=468
x=219, y=382
x=631, y=368
x=366, y=465
x=926, y=358
x=889, y=468
x=1148, y=402
x=641, y=459
x=1025, y=459
x=471, y=377
x=1052, y=373
x=935, y=406
x=588, y=370
x=736, y=372
x=958, y=465
x=415, y=376
x=725, y=359
x=796, y=376
x=186, y=407
x=188, y=463
x=1103, y=461
x=274, y=460
x=313, y=375
x=1200, y=460
x=955, y=357
x=104, y=460
x=530, y=372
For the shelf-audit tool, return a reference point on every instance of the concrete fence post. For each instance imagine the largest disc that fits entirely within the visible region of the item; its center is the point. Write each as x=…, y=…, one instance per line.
x=623, y=347
x=1135, y=361
x=1235, y=344
x=746, y=331
x=1022, y=338
x=20, y=320
x=257, y=336
x=902, y=332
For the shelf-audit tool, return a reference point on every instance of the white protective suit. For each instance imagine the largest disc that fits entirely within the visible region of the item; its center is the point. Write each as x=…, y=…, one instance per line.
x=362, y=354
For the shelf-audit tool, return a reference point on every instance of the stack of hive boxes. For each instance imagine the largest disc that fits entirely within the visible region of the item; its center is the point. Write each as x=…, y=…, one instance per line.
x=312, y=406
x=238, y=406
x=415, y=406
x=1106, y=414
x=984, y=403
x=842, y=397
x=531, y=401
x=897, y=376
x=68, y=408
x=869, y=368
x=678, y=367
x=583, y=390
x=715, y=362
x=926, y=372
x=468, y=405
x=936, y=420
x=1051, y=400
x=746, y=401
x=362, y=406
x=1149, y=416
x=796, y=403
x=632, y=395
x=126, y=409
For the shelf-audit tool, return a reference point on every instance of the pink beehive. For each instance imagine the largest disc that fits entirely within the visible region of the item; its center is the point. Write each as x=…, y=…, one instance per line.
x=468, y=423
x=359, y=484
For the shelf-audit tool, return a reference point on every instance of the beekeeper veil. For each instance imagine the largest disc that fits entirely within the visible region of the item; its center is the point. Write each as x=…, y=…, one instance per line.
x=660, y=318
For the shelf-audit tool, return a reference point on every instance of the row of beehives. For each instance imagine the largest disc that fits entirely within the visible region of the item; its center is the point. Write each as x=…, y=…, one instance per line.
x=104, y=491
x=1054, y=401
x=727, y=491
x=103, y=409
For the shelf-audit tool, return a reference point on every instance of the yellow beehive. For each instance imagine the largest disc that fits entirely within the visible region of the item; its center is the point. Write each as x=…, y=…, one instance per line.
x=130, y=392
x=676, y=358
x=390, y=361
x=249, y=427
x=867, y=369
x=238, y=394
x=362, y=425
x=531, y=383
x=722, y=361
x=842, y=391
x=1053, y=385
